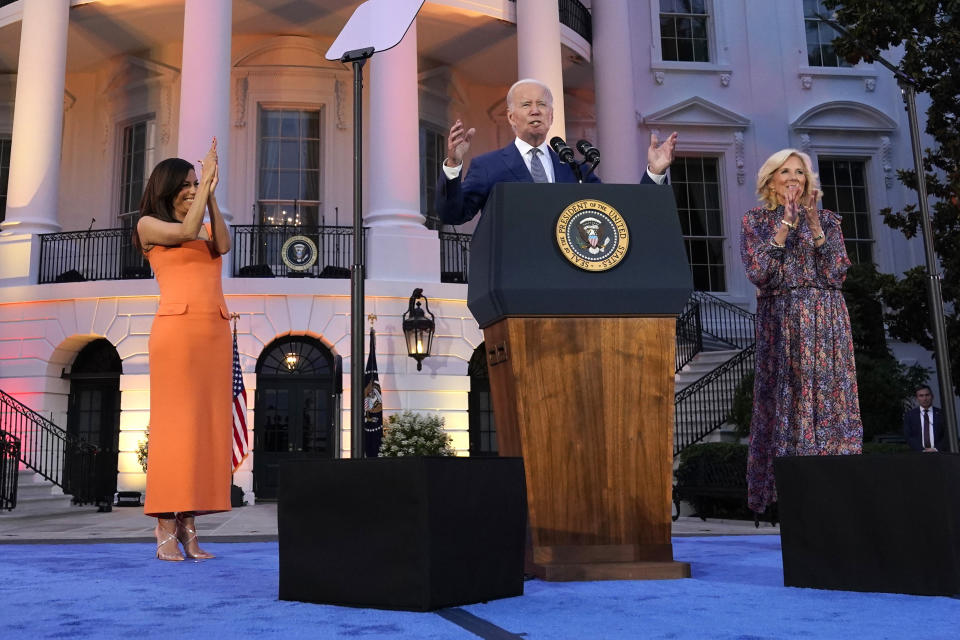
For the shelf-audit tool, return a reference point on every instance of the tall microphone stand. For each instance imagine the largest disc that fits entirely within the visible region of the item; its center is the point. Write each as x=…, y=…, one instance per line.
x=934, y=292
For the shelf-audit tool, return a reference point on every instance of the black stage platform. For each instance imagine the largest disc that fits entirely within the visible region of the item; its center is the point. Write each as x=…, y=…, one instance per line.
x=401, y=533
x=887, y=523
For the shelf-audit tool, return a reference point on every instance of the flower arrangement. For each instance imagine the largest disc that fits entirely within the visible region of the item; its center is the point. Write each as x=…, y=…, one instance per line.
x=414, y=434
x=143, y=447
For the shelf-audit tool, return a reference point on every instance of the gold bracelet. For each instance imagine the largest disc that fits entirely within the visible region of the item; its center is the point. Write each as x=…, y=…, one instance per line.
x=791, y=225
x=773, y=243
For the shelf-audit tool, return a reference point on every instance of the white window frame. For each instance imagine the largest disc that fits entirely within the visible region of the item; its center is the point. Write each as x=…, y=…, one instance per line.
x=863, y=70
x=715, y=36
x=717, y=154
x=149, y=160
x=321, y=108
x=866, y=159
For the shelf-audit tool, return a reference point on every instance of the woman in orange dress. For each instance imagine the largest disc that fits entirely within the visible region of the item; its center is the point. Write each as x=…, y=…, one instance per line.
x=189, y=467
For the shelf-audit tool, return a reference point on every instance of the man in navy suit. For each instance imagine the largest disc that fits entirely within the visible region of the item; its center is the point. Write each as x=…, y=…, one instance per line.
x=925, y=432
x=527, y=159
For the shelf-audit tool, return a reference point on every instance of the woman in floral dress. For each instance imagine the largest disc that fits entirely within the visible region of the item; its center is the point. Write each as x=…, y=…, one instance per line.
x=805, y=389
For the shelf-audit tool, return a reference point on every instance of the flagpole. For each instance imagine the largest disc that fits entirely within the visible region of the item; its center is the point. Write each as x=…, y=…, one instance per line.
x=234, y=317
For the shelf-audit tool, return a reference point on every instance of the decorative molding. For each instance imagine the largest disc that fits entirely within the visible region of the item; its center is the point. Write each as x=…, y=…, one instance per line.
x=166, y=114
x=844, y=115
x=870, y=84
x=805, y=142
x=338, y=89
x=240, y=101
x=285, y=51
x=105, y=121
x=739, y=156
x=659, y=76
x=698, y=112
x=885, y=161
x=138, y=73
x=806, y=82
x=724, y=79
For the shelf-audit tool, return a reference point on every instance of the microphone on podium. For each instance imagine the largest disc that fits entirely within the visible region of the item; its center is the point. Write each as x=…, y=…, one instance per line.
x=590, y=153
x=566, y=155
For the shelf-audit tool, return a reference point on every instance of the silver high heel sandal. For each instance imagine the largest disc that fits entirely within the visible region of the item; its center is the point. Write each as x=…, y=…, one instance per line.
x=187, y=535
x=165, y=537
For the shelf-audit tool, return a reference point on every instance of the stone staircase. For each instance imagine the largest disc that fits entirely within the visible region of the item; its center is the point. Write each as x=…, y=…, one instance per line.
x=36, y=496
x=702, y=364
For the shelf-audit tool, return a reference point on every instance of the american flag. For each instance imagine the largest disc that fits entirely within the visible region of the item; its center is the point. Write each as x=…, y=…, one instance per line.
x=241, y=443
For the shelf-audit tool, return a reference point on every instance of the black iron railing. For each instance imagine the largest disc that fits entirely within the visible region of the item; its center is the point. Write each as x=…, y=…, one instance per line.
x=63, y=459
x=705, y=404
x=725, y=323
x=576, y=16
x=454, y=256
x=258, y=251
x=689, y=333
x=9, y=464
x=104, y=254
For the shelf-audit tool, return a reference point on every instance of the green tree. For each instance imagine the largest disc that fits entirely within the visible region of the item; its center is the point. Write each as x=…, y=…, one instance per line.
x=929, y=32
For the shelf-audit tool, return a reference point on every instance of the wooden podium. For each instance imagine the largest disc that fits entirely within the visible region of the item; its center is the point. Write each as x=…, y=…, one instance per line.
x=581, y=368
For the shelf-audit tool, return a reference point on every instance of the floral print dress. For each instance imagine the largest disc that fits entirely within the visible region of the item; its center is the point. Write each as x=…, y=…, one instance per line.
x=805, y=390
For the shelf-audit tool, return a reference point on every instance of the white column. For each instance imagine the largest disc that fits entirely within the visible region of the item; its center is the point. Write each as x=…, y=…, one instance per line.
x=623, y=155
x=538, y=53
x=33, y=188
x=205, y=86
x=398, y=246
x=34, y=184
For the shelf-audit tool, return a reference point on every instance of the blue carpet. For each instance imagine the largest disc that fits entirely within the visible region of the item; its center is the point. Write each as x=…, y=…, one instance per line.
x=118, y=591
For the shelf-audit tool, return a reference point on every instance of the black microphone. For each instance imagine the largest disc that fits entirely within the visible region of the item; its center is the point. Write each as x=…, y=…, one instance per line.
x=566, y=155
x=562, y=150
x=590, y=153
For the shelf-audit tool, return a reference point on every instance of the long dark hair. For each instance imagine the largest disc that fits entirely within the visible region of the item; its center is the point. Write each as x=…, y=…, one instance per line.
x=163, y=186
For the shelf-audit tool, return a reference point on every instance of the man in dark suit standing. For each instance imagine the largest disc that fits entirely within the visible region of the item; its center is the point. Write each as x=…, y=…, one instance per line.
x=527, y=159
x=922, y=425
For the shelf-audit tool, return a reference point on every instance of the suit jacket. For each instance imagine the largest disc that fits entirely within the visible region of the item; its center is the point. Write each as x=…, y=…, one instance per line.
x=462, y=198
x=912, y=430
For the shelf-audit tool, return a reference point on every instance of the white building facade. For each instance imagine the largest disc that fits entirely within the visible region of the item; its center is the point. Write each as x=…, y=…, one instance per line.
x=94, y=93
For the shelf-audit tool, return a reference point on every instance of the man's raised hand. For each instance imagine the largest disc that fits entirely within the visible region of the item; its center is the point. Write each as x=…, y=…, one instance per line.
x=458, y=143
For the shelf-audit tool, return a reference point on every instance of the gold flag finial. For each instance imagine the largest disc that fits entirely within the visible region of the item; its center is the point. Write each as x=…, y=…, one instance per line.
x=372, y=317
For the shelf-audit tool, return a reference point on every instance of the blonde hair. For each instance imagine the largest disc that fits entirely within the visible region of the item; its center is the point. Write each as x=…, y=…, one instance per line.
x=513, y=87
x=774, y=162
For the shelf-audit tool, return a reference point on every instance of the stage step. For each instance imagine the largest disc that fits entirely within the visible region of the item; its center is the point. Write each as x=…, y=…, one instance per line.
x=612, y=571
x=37, y=496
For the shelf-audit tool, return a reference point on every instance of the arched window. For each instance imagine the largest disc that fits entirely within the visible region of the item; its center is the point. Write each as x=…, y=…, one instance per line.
x=93, y=414
x=297, y=408
x=483, y=430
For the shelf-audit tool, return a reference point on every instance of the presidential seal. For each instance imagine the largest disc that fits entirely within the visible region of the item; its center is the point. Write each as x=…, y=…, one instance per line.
x=592, y=235
x=299, y=253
